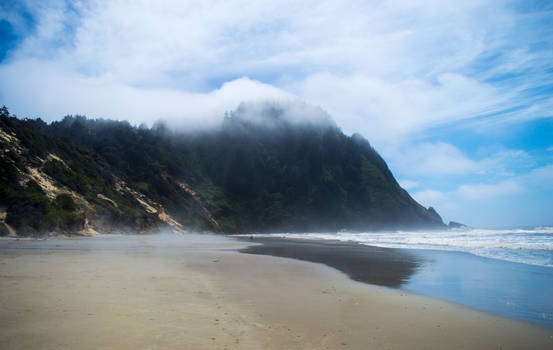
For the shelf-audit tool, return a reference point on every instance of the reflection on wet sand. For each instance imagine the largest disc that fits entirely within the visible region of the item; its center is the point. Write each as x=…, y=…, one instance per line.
x=381, y=266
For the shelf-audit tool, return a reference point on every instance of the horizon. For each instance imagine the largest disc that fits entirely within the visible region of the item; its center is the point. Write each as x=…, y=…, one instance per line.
x=456, y=99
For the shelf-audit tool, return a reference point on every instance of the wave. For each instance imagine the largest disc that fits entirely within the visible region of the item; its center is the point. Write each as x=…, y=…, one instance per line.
x=523, y=245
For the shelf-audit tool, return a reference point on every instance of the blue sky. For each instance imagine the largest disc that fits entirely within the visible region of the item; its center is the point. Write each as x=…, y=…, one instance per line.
x=457, y=96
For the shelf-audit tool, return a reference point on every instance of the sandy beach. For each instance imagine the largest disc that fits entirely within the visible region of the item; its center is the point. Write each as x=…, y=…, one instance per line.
x=198, y=292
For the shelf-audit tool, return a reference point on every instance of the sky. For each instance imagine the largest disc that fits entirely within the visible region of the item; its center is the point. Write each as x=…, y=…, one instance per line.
x=457, y=96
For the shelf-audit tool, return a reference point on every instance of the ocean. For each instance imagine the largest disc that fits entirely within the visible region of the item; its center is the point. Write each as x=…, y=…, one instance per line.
x=533, y=246
x=507, y=271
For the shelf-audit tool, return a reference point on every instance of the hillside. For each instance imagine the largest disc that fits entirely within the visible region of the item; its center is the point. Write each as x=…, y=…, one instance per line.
x=265, y=173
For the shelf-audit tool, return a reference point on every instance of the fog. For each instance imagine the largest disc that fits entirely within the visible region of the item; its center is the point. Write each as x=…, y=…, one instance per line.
x=162, y=243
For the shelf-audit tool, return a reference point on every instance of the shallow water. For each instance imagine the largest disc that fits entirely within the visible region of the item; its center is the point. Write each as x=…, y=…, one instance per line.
x=525, y=245
x=504, y=288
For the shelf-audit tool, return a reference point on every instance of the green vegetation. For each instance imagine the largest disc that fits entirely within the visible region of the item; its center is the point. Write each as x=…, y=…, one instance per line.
x=3, y=230
x=241, y=177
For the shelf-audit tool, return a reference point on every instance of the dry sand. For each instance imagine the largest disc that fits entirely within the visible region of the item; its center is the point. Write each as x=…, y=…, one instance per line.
x=196, y=292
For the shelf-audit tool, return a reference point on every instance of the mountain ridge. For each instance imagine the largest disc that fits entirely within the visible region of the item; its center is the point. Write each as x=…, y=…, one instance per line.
x=81, y=175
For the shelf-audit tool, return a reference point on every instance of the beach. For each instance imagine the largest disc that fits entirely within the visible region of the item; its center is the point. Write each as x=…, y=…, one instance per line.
x=505, y=288
x=199, y=292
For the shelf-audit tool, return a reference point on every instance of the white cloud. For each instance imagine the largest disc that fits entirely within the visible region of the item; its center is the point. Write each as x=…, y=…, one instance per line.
x=540, y=177
x=437, y=159
x=431, y=159
x=468, y=194
x=474, y=204
x=383, y=109
x=488, y=191
x=508, y=162
x=519, y=200
x=62, y=94
x=386, y=69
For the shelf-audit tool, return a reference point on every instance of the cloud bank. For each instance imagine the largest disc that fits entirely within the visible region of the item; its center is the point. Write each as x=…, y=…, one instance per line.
x=387, y=69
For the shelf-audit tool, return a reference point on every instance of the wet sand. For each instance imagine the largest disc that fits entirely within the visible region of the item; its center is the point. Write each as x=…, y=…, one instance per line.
x=374, y=265
x=198, y=292
x=502, y=288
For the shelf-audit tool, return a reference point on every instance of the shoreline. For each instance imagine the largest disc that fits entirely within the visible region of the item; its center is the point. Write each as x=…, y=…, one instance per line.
x=479, y=283
x=197, y=291
x=387, y=267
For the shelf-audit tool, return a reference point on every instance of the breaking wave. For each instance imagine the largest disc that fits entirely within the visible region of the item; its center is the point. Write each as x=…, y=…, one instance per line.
x=524, y=245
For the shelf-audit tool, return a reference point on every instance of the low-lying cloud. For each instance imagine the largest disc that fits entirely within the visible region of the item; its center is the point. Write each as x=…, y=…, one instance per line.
x=59, y=94
x=388, y=70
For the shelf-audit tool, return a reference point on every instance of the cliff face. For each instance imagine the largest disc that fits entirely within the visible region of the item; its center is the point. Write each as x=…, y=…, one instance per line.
x=264, y=174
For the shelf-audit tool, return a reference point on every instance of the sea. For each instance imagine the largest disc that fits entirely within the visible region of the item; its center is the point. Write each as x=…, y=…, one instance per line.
x=503, y=271
x=527, y=245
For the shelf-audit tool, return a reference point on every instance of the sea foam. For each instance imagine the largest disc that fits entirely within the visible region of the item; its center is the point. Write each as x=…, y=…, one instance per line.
x=523, y=245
